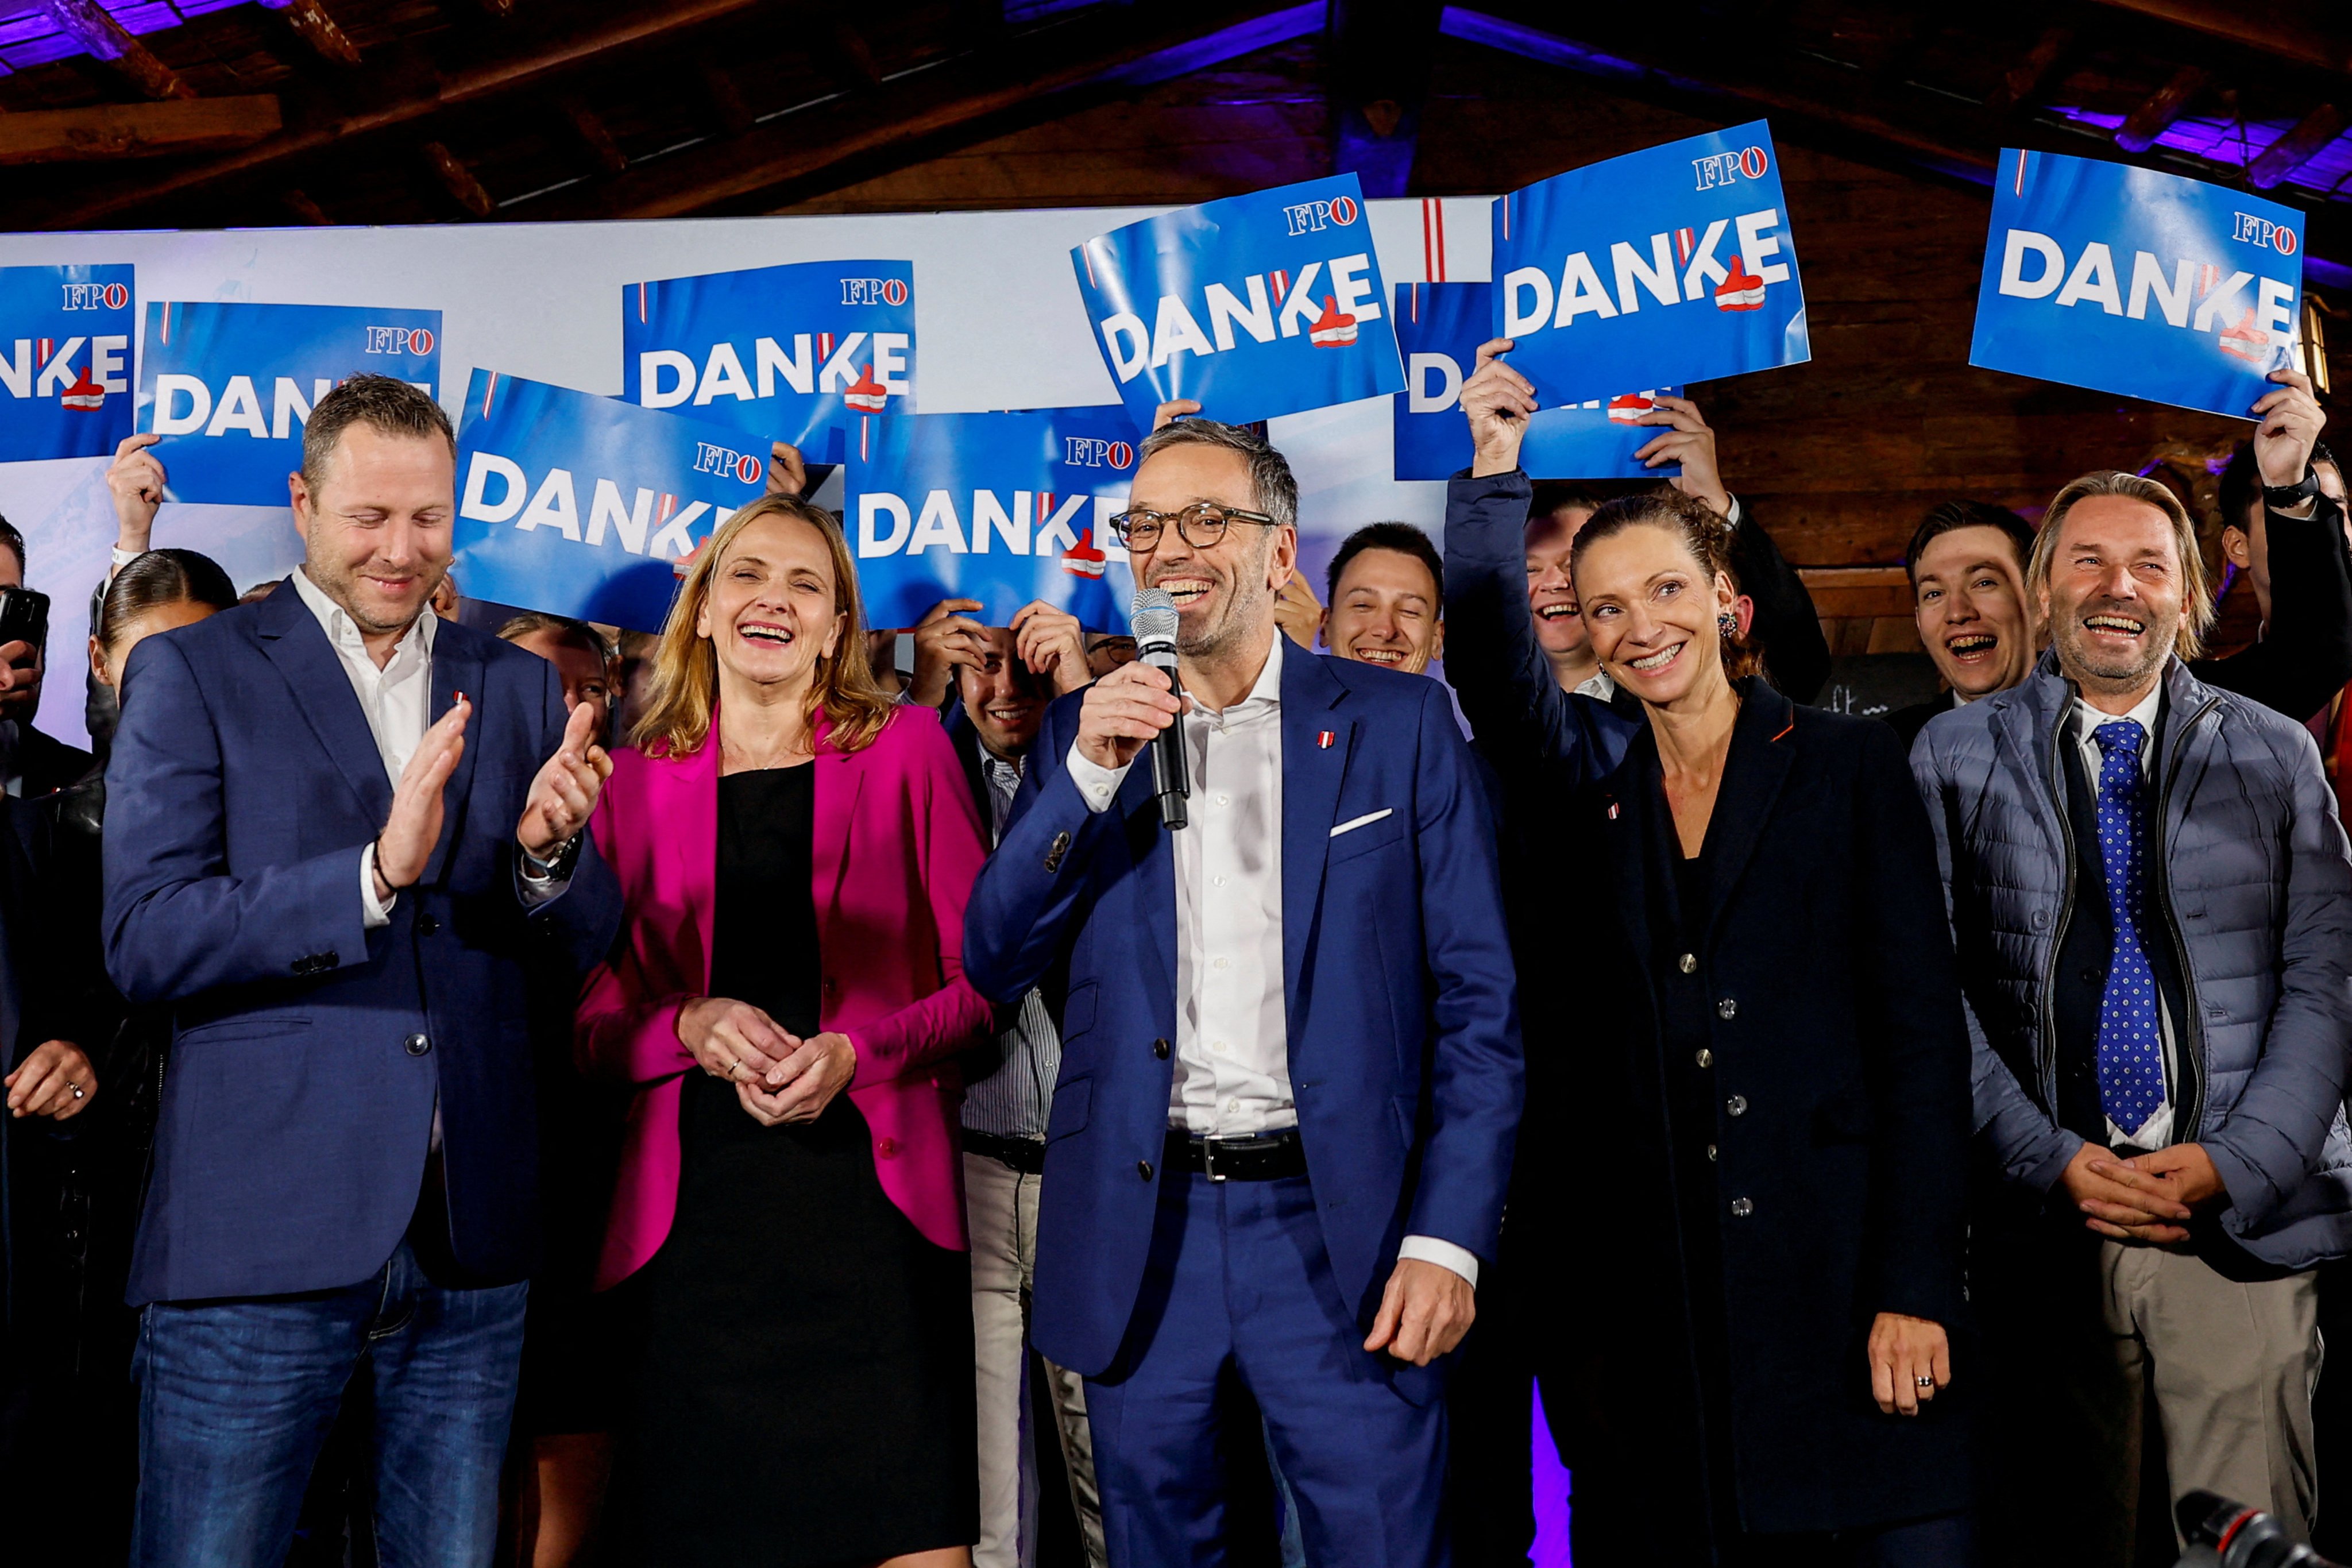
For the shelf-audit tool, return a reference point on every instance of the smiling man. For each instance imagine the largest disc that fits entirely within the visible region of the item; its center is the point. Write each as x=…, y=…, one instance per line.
x=2149, y=888
x=1290, y=1062
x=1967, y=562
x=1388, y=598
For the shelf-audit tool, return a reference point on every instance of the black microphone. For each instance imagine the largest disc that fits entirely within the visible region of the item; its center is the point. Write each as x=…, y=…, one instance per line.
x=1154, y=619
x=2238, y=1536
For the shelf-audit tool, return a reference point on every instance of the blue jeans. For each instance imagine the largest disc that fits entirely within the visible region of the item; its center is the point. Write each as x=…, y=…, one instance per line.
x=236, y=1399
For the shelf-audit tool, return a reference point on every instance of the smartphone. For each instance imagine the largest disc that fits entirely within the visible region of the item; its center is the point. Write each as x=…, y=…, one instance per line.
x=24, y=617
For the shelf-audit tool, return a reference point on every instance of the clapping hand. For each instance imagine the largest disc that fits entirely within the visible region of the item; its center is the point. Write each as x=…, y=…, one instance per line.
x=565, y=794
x=414, y=825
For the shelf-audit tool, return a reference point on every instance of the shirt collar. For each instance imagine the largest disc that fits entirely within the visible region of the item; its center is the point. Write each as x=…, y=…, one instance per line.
x=2142, y=713
x=344, y=633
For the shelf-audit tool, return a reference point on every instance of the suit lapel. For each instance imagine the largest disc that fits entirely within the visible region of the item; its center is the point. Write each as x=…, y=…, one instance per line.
x=1629, y=810
x=1312, y=771
x=840, y=776
x=1762, y=754
x=457, y=666
x=686, y=841
x=1152, y=850
x=295, y=642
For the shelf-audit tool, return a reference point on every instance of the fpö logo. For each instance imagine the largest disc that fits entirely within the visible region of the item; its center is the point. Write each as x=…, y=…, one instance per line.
x=874, y=291
x=416, y=340
x=1093, y=452
x=714, y=460
x=1313, y=217
x=2262, y=232
x=1730, y=168
x=96, y=296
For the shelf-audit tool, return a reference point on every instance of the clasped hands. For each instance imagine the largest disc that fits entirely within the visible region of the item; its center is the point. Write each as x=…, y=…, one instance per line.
x=2146, y=1198
x=558, y=807
x=779, y=1077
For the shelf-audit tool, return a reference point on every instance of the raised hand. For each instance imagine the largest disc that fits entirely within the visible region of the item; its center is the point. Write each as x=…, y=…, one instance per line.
x=1124, y=710
x=945, y=638
x=135, y=481
x=2292, y=420
x=1052, y=643
x=563, y=795
x=1172, y=410
x=414, y=825
x=1498, y=400
x=1298, y=611
x=1691, y=443
x=787, y=473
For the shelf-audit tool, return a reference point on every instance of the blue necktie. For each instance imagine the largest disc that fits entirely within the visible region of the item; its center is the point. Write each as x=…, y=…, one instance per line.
x=2131, y=1044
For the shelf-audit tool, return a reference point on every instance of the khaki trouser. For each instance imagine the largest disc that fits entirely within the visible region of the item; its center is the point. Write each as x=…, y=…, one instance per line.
x=2080, y=1336
x=1001, y=1204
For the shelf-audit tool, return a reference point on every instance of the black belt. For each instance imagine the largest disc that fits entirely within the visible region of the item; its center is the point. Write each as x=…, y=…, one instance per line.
x=1027, y=1155
x=1262, y=1157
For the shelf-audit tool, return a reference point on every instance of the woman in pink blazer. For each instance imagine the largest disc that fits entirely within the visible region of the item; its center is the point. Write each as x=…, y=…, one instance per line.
x=795, y=850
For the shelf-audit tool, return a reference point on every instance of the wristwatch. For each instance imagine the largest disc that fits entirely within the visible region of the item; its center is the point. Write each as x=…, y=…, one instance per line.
x=540, y=870
x=2287, y=498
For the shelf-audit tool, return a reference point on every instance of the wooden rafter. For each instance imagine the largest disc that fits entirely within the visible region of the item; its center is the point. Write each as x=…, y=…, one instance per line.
x=2168, y=103
x=1378, y=72
x=305, y=210
x=315, y=26
x=2023, y=80
x=88, y=23
x=109, y=131
x=457, y=179
x=2251, y=27
x=2297, y=148
x=589, y=127
x=721, y=96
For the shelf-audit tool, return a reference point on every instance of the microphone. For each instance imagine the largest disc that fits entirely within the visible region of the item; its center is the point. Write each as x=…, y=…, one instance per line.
x=1152, y=618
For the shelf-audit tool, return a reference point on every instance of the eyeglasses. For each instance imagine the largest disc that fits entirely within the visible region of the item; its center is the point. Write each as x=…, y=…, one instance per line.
x=1201, y=525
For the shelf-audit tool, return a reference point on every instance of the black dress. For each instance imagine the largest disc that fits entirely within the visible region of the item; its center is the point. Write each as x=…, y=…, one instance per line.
x=804, y=1391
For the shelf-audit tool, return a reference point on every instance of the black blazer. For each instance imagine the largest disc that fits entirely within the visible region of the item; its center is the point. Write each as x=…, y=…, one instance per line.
x=1836, y=1018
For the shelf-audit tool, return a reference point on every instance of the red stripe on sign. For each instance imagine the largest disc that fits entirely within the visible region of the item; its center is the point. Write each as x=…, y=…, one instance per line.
x=641, y=304
x=1440, y=205
x=1087, y=259
x=1428, y=243
x=1506, y=217
x=865, y=437
x=490, y=390
x=167, y=323
x=1414, y=302
x=1281, y=284
x=2020, y=172
x=1044, y=508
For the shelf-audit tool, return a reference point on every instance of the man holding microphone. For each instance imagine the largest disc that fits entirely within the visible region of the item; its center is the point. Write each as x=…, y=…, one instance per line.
x=1283, y=1125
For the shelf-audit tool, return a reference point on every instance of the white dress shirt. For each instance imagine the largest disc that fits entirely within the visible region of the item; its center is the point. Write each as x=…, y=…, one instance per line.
x=2157, y=1131
x=1232, y=1073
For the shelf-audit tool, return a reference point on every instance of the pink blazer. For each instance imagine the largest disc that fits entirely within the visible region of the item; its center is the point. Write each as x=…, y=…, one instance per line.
x=895, y=849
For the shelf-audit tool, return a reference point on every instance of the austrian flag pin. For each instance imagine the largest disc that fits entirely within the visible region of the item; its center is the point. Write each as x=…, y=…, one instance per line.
x=1323, y=739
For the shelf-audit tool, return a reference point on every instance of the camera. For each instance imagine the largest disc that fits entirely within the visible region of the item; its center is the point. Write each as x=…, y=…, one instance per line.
x=2237, y=1536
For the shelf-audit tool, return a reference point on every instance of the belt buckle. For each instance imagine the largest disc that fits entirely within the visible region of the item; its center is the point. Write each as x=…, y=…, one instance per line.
x=1209, y=1160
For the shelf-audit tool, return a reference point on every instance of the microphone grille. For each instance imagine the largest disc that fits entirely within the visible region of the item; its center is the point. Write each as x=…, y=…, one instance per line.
x=1154, y=616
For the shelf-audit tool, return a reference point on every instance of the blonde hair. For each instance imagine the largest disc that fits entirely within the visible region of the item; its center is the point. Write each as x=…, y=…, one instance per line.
x=2196, y=587
x=684, y=692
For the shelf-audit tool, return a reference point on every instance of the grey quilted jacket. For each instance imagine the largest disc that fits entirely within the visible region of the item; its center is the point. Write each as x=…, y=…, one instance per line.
x=2254, y=878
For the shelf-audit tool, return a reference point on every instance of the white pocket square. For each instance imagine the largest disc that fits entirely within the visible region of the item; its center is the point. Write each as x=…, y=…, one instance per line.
x=1366, y=820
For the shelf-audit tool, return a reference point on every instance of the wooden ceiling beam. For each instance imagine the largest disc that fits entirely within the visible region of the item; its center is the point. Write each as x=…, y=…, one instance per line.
x=589, y=127
x=800, y=150
x=721, y=96
x=2022, y=81
x=315, y=26
x=110, y=130
x=2168, y=103
x=2249, y=28
x=305, y=210
x=2291, y=151
x=457, y=179
x=606, y=41
x=88, y=23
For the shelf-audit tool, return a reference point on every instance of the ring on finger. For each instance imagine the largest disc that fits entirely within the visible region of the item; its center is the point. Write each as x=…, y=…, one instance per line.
x=1927, y=1384
x=739, y=1072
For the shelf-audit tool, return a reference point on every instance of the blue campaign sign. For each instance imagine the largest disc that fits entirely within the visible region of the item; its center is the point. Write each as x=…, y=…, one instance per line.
x=1672, y=264
x=1440, y=326
x=580, y=505
x=229, y=386
x=2150, y=285
x=64, y=360
x=786, y=353
x=1256, y=305
x=1002, y=508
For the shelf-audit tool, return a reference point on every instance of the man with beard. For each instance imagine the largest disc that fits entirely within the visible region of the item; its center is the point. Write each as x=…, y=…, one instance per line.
x=2153, y=908
x=1290, y=1066
x=1967, y=562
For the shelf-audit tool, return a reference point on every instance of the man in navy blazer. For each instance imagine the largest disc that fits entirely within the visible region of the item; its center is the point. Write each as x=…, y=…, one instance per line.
x=339, y=832
x=1290, y=1075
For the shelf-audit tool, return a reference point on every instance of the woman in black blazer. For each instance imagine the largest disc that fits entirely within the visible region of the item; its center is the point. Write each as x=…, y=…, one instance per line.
x=1747, y=1127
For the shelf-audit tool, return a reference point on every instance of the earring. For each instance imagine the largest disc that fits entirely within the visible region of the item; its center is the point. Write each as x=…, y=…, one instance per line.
x=1726, y=625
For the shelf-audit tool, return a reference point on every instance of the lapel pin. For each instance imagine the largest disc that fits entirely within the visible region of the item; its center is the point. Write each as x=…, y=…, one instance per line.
x=1612, y=810
x=1323, y=739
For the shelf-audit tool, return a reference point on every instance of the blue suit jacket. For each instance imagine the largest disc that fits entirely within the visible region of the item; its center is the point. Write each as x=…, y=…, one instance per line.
x=1403, y=1042
x=307, y=1051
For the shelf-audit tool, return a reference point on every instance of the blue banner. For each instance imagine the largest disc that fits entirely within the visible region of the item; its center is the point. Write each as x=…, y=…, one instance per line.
x=784, y=354
x=2150, y=285
x=230, y=387
x=1002, y=508
x=1254, y=306
x=1674, y=264
x=1440, y=326
x=584, y=506
x=64, y=360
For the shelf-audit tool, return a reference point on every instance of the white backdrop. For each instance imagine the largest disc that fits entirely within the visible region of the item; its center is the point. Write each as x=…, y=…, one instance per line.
x=998, y=321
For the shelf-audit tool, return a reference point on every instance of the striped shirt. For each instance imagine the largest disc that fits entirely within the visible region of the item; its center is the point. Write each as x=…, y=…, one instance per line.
x=1010, y=1097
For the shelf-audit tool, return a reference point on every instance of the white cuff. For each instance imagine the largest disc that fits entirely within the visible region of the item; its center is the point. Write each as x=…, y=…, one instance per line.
x=372, y=914
x=535, y=889
x=1731, y=517
x=122, y=558
x=1445, y=1253
x=1097, y=783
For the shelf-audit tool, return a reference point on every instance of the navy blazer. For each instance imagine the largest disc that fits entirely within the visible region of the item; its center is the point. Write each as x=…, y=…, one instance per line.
x=308, y=1052
x=1398, y=990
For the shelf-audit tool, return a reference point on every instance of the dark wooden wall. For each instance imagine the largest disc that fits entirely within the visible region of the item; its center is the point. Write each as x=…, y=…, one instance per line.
x=1840, y=457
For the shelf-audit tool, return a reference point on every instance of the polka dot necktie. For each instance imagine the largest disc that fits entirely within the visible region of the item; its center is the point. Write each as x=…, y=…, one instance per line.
x=2131, y=1045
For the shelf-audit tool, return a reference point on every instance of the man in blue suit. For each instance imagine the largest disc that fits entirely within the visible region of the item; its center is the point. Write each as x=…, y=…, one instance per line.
x=1290, y=1074
x=339, y=832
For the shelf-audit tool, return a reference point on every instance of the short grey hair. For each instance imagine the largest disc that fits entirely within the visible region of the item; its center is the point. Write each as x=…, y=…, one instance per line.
x=2196, y=587
x=1272, y=487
